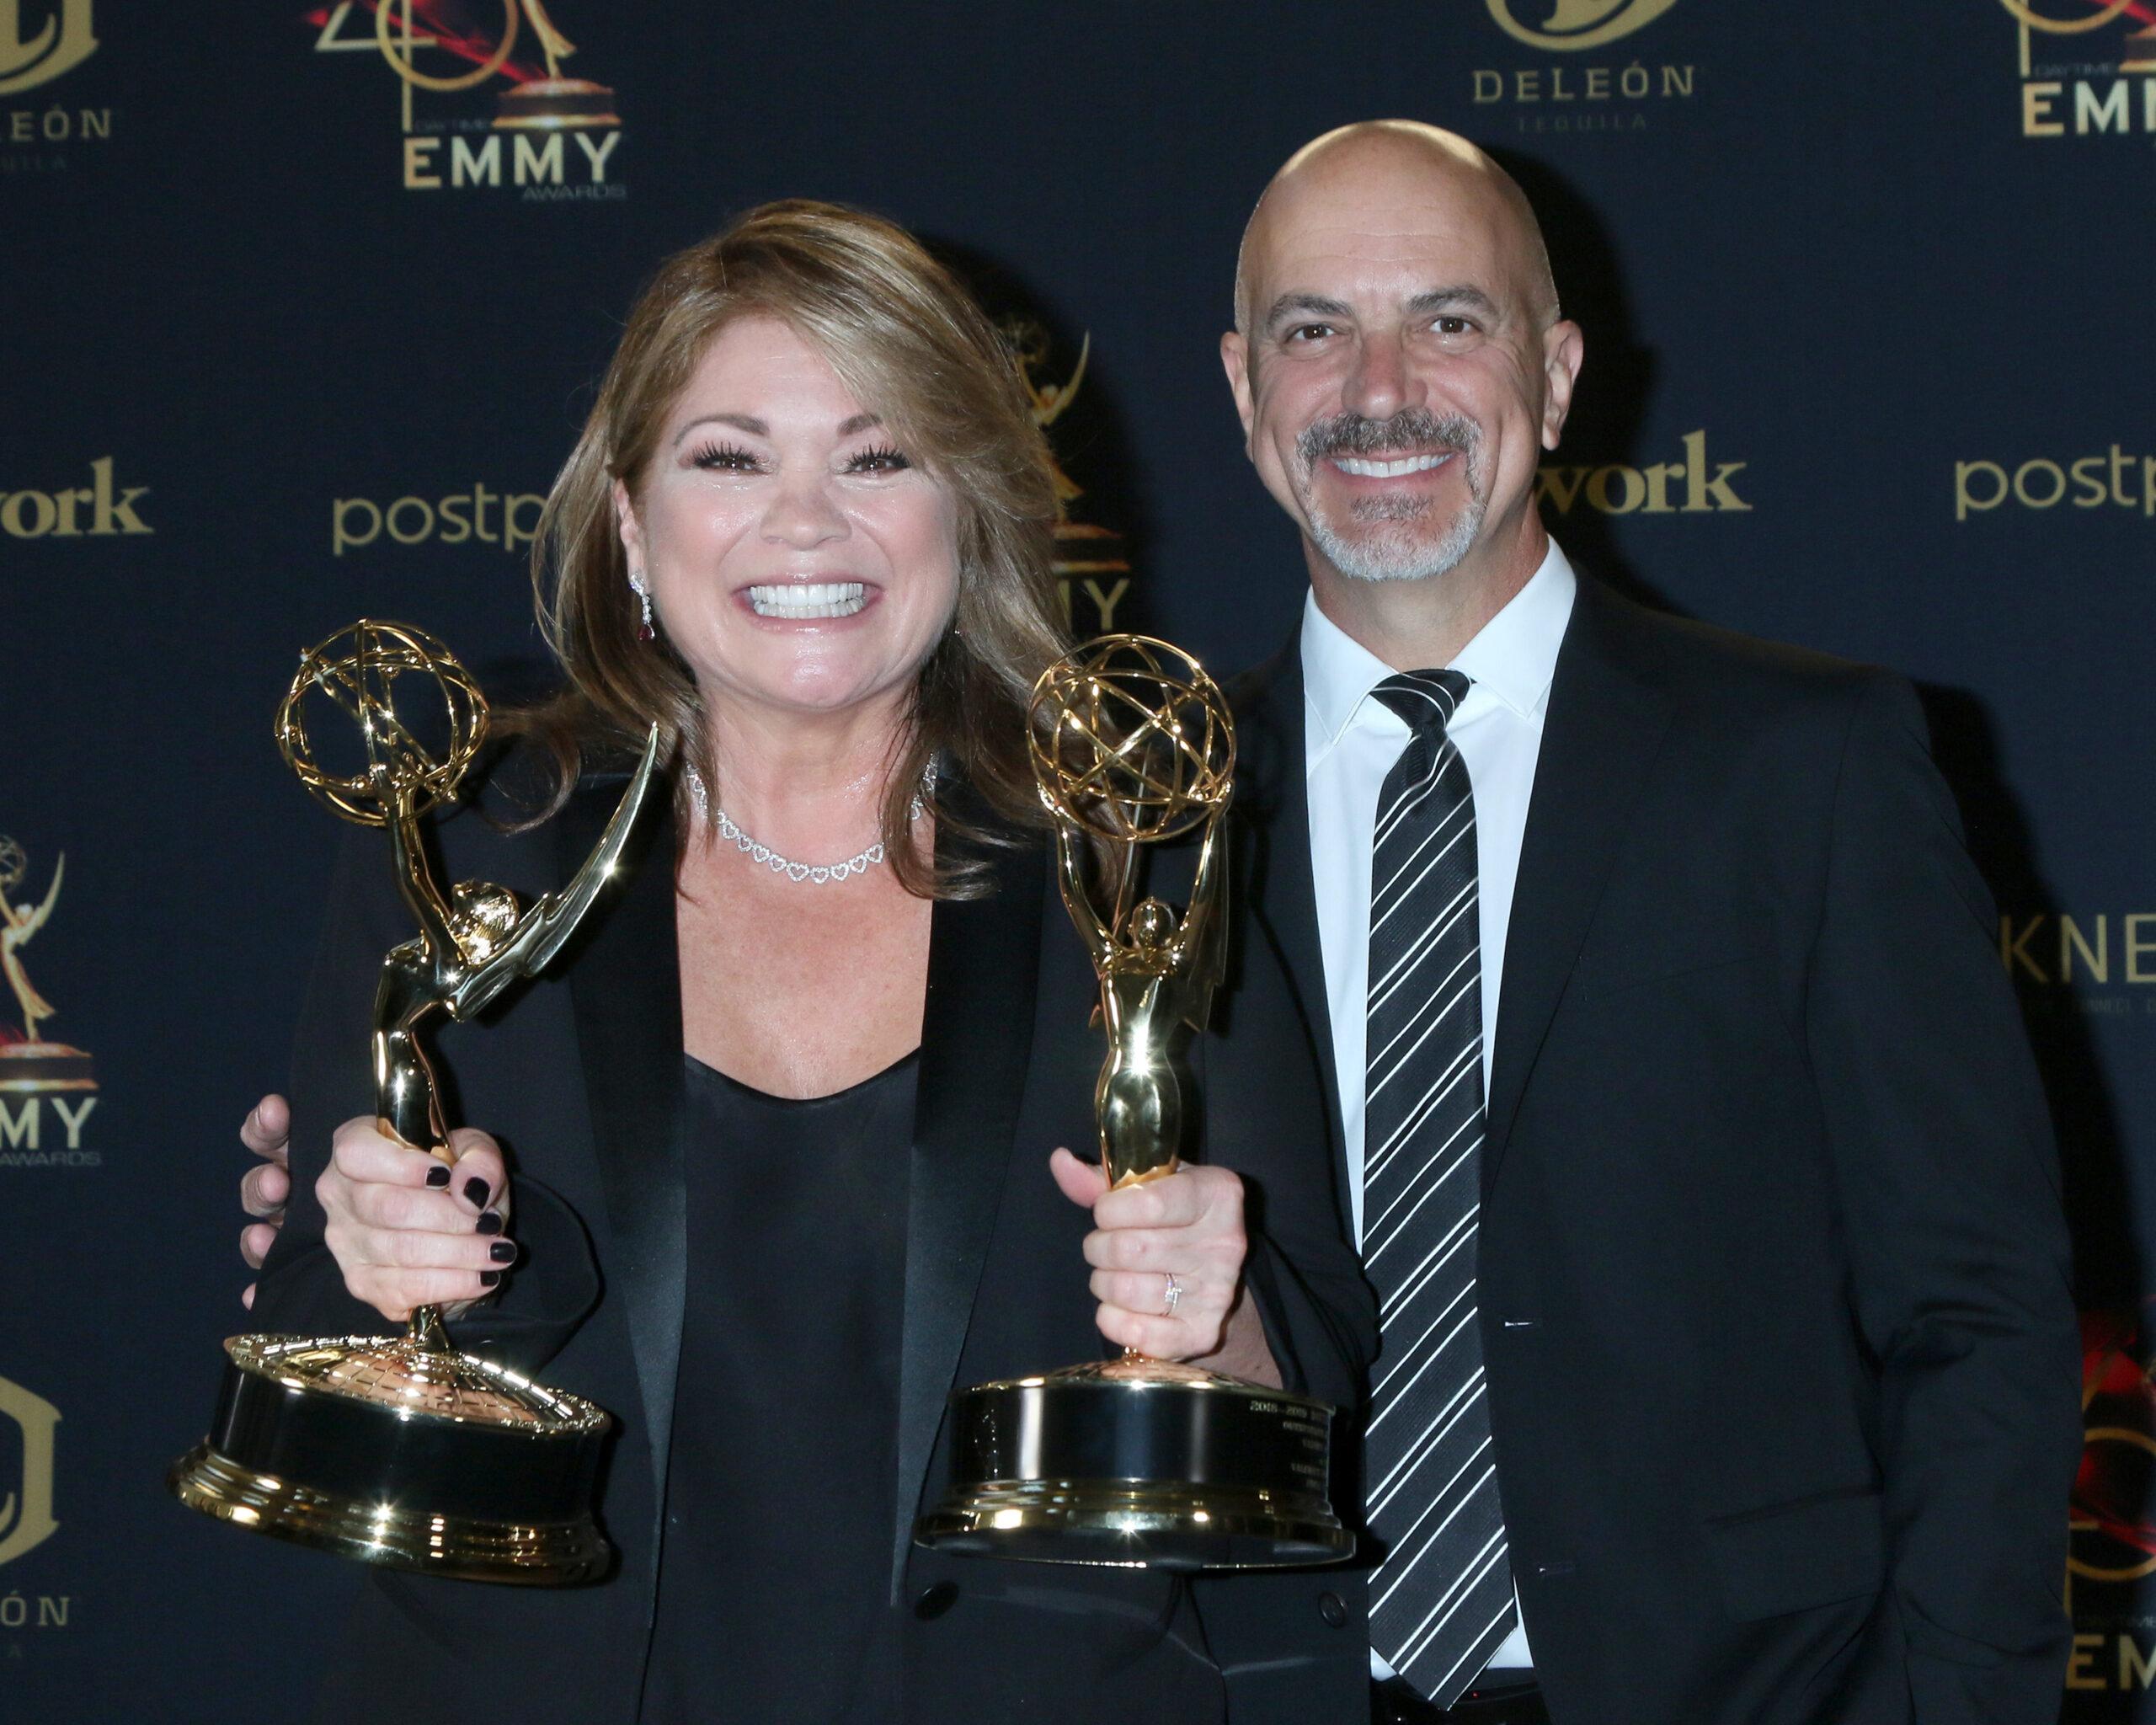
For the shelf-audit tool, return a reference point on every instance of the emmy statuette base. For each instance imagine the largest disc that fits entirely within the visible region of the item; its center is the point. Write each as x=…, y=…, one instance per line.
x=1137, y=1463
x=457, y=1546
x=401, y=1451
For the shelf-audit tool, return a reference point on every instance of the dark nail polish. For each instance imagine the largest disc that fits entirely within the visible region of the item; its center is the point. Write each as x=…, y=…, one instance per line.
x=475, y=1188
x=490, y=1222
x=490, y=1278
x=503, y=1251
x=438, y=1175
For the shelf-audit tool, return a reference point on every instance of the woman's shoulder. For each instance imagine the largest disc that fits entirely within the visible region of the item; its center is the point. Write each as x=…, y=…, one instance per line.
x=525, y=776
x=523, y=801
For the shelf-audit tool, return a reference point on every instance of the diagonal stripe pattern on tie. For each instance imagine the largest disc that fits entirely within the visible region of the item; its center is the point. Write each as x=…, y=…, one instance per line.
x=1441, y=1602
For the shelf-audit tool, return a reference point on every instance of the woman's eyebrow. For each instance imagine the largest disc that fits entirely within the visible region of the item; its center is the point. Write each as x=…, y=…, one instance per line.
x=740, y=422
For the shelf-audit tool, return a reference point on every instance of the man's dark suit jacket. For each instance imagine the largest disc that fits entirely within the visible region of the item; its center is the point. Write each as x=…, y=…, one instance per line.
x=579, y=1075
x=1773, y=1278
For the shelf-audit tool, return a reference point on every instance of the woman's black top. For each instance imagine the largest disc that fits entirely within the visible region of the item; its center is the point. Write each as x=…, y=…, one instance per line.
x=774, y=1585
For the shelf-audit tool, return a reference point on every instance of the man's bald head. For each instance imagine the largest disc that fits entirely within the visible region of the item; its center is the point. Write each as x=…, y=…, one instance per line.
x=1359, y=171
x=1399, y=365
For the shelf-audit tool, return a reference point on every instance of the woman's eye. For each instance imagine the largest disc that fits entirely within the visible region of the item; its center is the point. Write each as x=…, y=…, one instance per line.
x=725, y=458
x=882, y=459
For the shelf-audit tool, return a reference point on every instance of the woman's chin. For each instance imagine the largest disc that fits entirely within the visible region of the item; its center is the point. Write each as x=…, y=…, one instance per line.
x=821, y=690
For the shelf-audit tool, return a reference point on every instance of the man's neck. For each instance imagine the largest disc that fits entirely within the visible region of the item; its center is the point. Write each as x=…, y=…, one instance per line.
x=1421, y=625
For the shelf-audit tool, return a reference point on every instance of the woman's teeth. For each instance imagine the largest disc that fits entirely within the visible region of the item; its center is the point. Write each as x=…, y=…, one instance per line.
x=1390, y=470
x=809, y=599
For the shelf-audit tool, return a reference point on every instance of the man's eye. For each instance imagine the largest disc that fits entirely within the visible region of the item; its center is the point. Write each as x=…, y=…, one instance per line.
x=882, y=459
x=1451, y=326
x=1308, y=331
x=725, y=458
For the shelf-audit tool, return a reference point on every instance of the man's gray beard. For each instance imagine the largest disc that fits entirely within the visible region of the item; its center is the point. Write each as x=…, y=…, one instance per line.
x=1395, y=552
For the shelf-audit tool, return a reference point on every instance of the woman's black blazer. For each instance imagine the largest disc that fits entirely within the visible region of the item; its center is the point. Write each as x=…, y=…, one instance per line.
x=579, y=1074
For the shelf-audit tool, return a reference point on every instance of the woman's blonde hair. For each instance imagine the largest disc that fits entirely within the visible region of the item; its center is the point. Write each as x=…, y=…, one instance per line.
x=911, y=345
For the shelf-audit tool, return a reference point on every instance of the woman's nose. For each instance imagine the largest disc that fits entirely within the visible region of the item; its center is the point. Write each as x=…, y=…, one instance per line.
x=804, y=515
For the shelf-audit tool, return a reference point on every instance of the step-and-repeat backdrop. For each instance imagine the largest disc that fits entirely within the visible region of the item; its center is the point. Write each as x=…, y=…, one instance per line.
x=294, y=329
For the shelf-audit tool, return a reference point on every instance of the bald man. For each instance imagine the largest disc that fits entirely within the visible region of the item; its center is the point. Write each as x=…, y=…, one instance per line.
x=1687, y=1126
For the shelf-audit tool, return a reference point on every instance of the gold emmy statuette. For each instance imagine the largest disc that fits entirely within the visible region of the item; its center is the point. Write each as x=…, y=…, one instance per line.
x=32, y=1064
x=1139, y=1462
x=402, y=1450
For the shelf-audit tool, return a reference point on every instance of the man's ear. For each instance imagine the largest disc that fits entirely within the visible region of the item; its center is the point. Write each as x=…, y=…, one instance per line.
x=1234, y=360
x=1563, y=349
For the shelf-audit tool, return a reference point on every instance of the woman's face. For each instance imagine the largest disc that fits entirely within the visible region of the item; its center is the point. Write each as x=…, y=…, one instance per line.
x=796, y=559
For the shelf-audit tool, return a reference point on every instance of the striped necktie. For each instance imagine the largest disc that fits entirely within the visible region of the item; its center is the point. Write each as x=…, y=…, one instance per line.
x=1442, y=1600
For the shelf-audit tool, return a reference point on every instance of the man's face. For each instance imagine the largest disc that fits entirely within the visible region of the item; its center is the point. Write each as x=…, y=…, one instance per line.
x=1395, y=383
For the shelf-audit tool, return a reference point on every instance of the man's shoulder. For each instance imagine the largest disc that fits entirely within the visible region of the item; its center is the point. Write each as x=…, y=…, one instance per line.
x=1266, y=705
x=1719, y=675
x=1252, y=689
x=1722, y=674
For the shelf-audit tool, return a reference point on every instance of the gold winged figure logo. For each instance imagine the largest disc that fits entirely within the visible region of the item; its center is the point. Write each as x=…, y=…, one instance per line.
x=29, y=1062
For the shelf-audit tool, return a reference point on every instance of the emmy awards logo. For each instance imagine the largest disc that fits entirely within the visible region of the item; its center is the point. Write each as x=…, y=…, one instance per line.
x=2078, y=17
x=2111, y=1520
x=1085, y=553
x=1574, y=25
x=1081, y=547
x=30, y=1063
x=534, y=102
x=26, y=1506
x=63, y=44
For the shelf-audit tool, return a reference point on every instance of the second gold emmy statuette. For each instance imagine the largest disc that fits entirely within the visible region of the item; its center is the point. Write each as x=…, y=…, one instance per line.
x=401, y=1450
x=1139, y=1462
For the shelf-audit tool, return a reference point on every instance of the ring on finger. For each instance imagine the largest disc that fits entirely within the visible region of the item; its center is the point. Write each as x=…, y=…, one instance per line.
x=1170, y=1298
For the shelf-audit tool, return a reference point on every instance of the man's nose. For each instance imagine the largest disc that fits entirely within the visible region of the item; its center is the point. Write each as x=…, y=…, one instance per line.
x=1383, y=381
x=804, y=515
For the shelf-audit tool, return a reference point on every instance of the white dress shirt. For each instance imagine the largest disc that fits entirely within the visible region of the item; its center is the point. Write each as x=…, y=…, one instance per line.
x=1350, y=743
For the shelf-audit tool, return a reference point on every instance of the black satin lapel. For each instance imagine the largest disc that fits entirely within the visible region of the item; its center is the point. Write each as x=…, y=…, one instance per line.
x=625, y=982
x=1272, y=805
x=1605, y=725
x=976, y=1039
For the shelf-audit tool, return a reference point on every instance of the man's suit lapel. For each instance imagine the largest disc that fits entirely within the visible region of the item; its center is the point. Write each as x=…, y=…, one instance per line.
x=626, y=987
x=1605, y=723
x=1273, y=804
x=976, y=1041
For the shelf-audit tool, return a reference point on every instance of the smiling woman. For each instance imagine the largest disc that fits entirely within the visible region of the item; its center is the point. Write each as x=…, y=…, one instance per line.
x=787, y=396
x=771, y=1175
x=799, y=562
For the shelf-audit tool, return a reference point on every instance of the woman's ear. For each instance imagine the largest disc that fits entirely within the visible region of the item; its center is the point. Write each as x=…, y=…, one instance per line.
x=627, y=525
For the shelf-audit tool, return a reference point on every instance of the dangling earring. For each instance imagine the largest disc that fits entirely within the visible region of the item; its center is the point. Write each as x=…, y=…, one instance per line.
x=645, y=632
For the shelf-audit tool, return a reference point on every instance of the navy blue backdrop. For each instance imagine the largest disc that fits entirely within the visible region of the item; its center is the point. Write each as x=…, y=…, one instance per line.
x=288, y=340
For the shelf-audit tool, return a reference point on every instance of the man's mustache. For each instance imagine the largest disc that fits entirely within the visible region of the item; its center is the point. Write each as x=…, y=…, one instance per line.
x=1410, y=432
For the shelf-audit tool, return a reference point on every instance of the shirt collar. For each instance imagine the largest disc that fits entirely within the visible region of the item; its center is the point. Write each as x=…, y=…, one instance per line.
x=1512, y=658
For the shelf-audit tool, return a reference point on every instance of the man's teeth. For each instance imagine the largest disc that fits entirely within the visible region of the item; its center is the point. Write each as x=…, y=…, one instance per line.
x=809, y=599
x=1390, y=470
